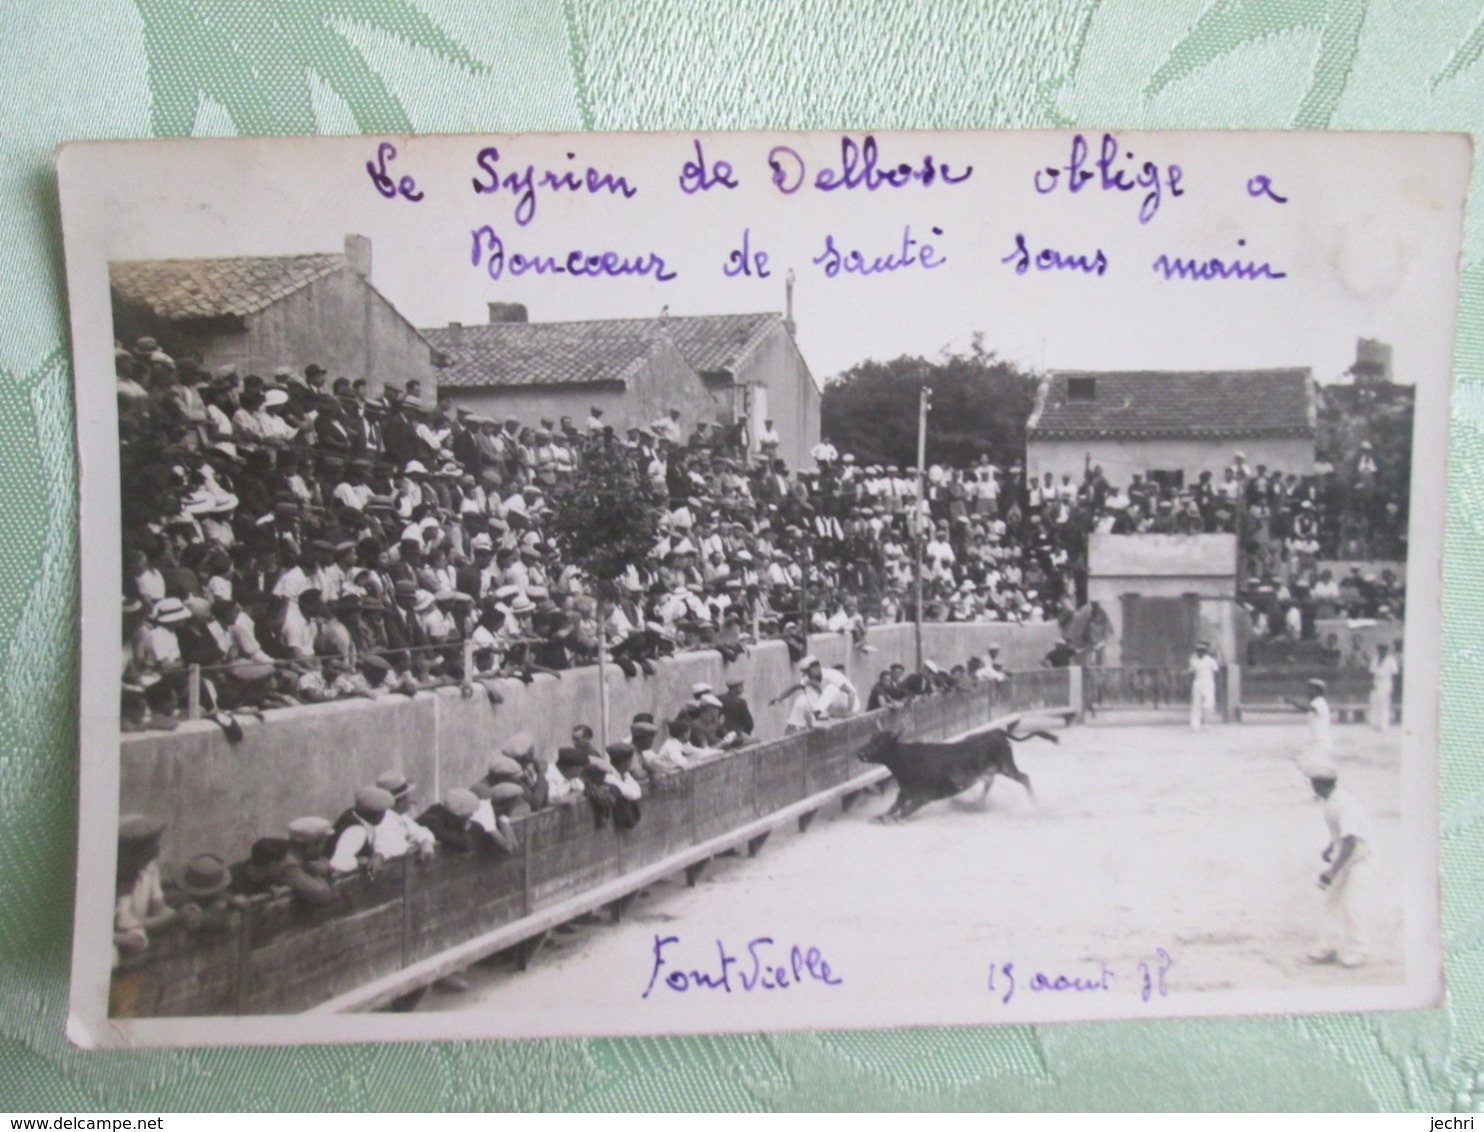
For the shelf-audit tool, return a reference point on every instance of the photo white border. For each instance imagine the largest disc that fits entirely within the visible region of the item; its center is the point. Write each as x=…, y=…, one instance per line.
x=87, y=225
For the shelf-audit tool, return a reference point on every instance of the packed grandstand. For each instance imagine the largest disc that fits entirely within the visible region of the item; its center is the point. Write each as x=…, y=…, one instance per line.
x=294, y=541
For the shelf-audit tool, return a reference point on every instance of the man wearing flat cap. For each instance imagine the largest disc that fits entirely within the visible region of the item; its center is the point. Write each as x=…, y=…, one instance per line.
x=517, y=764
x=399, y=832
x=499, y=806
x=258, y=875
x=620, y=759
x=642, y=733
x=357, y=836
x=815, y=700
x=449, y=820
x=735, y=713
x=296, y=862
x=566, y=777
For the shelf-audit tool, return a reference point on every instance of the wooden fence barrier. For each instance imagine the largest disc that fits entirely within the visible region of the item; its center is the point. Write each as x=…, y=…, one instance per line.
x=417, y=920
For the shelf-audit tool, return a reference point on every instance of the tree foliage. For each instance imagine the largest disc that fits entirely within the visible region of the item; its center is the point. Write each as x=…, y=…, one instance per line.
x=980, y=405
x=606, y=518
x=1380, y=413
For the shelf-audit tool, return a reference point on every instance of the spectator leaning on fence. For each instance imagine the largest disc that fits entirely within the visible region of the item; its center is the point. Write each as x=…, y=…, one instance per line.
x=813, y=700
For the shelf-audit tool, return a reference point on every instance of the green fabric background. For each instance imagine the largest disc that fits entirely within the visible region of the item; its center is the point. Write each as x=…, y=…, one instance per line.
x=139, y=68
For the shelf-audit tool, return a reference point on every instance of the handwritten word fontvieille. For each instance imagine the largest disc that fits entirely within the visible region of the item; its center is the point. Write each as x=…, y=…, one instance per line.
x=759, y=967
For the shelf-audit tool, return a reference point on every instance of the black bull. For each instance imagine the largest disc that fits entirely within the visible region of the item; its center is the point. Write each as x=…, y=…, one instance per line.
x=929, y=772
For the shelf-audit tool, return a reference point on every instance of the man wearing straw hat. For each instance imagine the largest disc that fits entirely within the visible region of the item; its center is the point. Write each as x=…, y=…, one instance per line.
x=208, y=906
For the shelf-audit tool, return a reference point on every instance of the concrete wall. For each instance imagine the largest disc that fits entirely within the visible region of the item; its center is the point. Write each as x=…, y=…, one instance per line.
x=219, y=797
x=1140, y=556
x=1386, y=633
x=1120, y=459
x=664, y=381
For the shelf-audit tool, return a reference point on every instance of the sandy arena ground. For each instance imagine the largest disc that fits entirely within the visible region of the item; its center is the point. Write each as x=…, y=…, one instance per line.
x=1141, y=836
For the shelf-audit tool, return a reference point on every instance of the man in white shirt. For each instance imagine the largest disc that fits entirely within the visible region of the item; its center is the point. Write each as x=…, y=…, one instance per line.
x=1320, y=752
x=399, y=833
x=1203, y=668
x=667, y=428
x=768, y=440
x=1384, y=671
x=355, y=845
x=619, y=771
x=671, y=755
x=992, y=672
x=564, y=781
x=1343, y=938
x=816, y=699
x=847, y=700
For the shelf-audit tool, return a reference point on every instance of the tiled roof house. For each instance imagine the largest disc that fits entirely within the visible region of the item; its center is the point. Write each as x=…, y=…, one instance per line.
x=262, y=312
x=721, y=368
x=1178, y=422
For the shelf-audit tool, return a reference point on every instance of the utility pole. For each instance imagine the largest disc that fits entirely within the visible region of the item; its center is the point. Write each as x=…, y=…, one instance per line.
x=924, y=403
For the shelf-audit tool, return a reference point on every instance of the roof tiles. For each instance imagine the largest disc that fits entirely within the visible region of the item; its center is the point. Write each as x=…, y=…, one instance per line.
x=177, y=289
x=588, y=352
x=1147, y=403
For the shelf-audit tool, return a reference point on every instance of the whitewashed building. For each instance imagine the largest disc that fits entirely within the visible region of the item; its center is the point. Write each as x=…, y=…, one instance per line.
x=1171, y=425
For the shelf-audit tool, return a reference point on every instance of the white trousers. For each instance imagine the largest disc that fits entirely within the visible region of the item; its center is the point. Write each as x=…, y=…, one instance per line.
x=1379, y=710
x=1344, y=909
x=1202, y=704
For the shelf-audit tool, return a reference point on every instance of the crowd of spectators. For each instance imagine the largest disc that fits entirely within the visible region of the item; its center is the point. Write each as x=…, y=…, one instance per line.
x=384, y=822
x=301, y=540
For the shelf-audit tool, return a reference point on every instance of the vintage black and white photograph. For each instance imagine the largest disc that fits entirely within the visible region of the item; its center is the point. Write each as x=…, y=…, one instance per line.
x=597, y=585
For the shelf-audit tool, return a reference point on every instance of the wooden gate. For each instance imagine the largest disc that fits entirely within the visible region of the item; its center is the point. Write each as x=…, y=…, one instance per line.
x=1159, y=632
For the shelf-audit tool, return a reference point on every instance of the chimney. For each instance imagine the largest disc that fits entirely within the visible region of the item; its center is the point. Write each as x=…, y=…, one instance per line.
x=1372, y=361
x=788, y=291
x=358, y=254
x=456, y=334
x=508, y=312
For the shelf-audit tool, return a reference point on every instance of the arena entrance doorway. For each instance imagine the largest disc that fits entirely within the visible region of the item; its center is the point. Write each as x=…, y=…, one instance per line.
x=1159, y=632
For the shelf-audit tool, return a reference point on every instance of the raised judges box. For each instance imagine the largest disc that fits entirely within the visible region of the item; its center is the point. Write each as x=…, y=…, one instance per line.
x=1162, y=593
